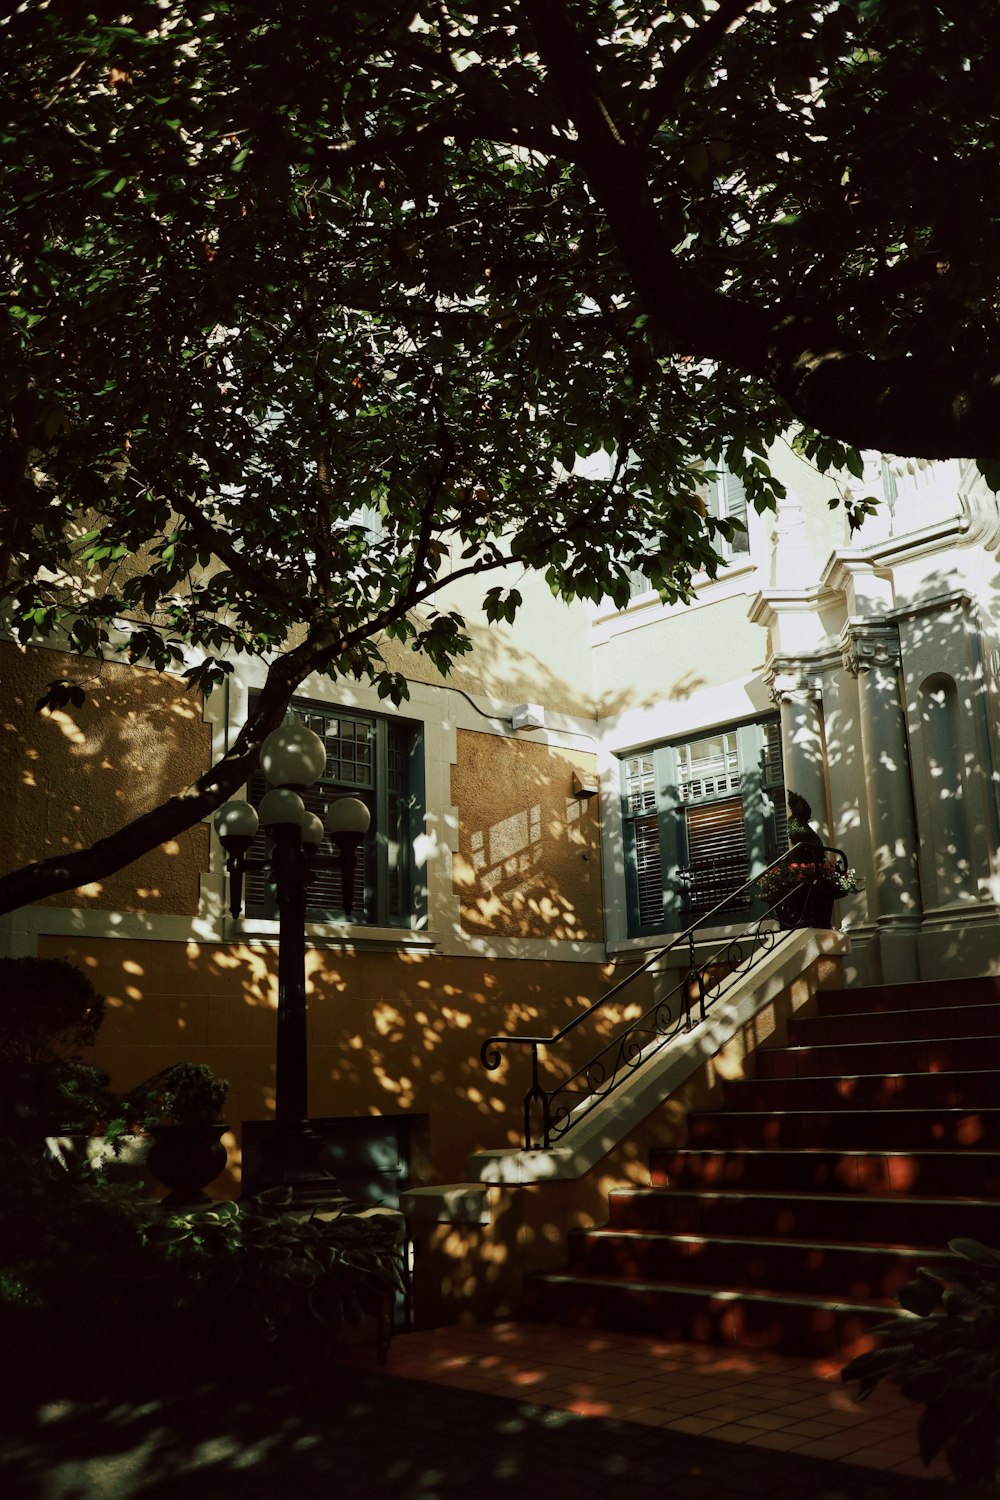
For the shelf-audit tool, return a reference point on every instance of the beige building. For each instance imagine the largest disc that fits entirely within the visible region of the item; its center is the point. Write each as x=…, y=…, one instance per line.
x=584, y=787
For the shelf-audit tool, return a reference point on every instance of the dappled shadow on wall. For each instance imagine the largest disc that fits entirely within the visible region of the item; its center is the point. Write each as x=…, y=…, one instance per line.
x=76, y=774
x=529, y=857
x=951, y=692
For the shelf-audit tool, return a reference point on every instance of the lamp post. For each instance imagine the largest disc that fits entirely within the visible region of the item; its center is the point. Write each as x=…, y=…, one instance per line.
x=292, y=759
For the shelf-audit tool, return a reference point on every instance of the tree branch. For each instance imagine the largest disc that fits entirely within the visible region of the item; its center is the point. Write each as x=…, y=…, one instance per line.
x=573, y=72
x=925, y=408
x=66, y=872
x=691, y=54
x=256, y=579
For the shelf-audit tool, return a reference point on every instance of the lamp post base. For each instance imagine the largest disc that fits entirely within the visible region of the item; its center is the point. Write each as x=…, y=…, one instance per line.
x=290, y=1158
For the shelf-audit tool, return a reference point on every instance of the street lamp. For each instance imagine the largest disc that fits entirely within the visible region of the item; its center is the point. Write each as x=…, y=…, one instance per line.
x=292, y=759
x=347, y=821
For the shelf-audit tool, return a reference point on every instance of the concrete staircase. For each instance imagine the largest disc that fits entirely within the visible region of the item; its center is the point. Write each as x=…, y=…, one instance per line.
x=797, y=1209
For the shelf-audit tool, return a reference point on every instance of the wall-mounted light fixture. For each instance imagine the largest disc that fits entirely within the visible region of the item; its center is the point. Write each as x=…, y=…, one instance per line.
x=528, y=716
x=585, y=785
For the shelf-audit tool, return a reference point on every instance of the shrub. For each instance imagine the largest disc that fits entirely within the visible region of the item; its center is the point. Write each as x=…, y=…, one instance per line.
x=183, y=1094
x=947, y=1355
x=285, y=1275
x=97, y=1289
x=49, y=1010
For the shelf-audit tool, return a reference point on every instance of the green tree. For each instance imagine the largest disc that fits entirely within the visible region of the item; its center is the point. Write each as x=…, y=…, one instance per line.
x=311, y=309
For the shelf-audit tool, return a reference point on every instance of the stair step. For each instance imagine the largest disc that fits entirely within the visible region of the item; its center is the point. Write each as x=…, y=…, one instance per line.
x=795, y=1213
x=845, y=1129
x=866, y=1272
x=750, y=1319
x=949, y=1173
x=885, y=1026
x=892, y=1219
x=865, y=1091
x=923, y=994
x=938, y=1055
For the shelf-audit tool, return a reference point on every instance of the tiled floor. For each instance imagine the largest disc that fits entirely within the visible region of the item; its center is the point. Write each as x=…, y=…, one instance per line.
x=733, y=1395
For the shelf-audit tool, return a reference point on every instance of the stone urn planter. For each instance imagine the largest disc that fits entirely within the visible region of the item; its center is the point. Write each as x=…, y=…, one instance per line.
x=180, y=1107
x=807, y=906
x=800, y=889
x=186, y=1158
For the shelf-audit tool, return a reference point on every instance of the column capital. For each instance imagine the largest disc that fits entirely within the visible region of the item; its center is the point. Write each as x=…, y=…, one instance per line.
x=793, y=682
x=866, y=646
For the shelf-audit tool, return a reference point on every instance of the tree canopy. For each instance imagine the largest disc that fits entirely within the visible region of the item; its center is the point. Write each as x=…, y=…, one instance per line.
x=309, y=309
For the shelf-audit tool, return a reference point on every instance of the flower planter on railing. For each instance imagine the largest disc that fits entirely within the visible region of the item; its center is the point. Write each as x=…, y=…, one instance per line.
x=801, y=891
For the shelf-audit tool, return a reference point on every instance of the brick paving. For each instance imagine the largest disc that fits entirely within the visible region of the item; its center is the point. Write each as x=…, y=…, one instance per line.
x=758, y=1400
x=505, y=1412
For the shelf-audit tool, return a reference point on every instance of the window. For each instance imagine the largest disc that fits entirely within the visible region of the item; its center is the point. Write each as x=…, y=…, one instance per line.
x=380, y=761
x=725, y=499
x=700, y=818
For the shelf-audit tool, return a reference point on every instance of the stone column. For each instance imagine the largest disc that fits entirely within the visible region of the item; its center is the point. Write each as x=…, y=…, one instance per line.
x=872, y=655
x=799, y=699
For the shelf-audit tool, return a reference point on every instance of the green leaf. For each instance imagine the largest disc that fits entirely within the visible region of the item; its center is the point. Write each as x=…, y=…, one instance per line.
x=990, y=470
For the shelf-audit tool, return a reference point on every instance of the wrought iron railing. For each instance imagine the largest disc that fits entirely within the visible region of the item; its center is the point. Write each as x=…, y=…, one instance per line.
x=705, y=883
x=550, y=1113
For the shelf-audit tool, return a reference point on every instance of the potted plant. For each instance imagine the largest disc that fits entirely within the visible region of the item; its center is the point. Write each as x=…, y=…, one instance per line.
x=181, y=1109
x=801, y=892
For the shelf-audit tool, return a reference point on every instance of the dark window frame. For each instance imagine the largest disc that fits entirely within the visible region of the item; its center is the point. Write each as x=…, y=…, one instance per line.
x=382, y=763
x=667, y=891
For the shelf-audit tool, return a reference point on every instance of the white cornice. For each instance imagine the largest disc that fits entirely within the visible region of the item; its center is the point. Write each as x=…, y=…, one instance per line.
x=770, y=602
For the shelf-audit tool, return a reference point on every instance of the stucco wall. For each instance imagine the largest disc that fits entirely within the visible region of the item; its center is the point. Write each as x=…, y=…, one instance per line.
x=672, y=659
x=389, y=1033
x=529, y=856
x=543, y=657
x=74, y=775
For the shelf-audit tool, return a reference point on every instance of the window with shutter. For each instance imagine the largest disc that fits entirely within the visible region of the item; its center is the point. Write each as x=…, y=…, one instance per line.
x=774, y=783
x=370, y=758
x=640, y=802
x=726, y=500
x=717, y=860
x=700, y=819
x=709, y=767
x=649, y=870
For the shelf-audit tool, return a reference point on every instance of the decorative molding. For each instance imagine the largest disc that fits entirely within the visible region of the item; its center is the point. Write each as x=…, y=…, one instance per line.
x=790, y=682
x=771, y=603
x=959, y=598
x=732, y=580
x=865, y=646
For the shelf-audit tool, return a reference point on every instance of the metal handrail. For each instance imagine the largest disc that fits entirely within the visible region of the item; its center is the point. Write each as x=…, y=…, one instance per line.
x=655, y=1022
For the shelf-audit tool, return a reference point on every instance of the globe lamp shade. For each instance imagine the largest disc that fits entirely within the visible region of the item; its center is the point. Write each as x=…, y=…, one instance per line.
x=281, y=806
x=236, y=824
x=312, y=830
x=292, y=756
x=236, y=820
x=348, y=815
